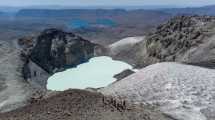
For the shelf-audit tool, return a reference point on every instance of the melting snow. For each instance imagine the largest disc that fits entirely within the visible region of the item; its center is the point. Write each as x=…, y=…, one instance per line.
x=182, y=91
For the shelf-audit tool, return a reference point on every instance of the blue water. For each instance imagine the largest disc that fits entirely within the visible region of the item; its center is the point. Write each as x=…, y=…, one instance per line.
x=98, y=72
x=75, y=24
x=106, y=22
x=79, y=23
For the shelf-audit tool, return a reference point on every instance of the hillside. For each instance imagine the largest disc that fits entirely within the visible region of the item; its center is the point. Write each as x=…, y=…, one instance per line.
x=14, y=90
x=54, y=50
x=80, y=105
x=124, y=44
x=184, y=92
x=27, y=63
x=187, y=39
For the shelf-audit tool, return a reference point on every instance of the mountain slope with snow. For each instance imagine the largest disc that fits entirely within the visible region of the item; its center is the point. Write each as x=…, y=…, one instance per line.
x=184, y=92
x=125, y=44
x=185, y=39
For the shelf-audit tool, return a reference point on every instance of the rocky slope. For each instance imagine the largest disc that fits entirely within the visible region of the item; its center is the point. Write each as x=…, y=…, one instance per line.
x=184, y=92
x=80, y=105
x=26, y=65
x=188, y=39
x=56, y=49
x=52, y=51
x=14, y=90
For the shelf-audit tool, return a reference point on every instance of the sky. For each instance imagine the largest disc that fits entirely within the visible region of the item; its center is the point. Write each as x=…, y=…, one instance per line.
x=106, y=2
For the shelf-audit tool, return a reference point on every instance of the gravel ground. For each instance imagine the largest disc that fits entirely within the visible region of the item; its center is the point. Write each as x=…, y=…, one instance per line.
x=81, y=105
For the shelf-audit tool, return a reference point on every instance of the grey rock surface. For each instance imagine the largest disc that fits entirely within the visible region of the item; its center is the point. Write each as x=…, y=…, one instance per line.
x=123, y=74
x=14, y=90
x=186, y=39
x=53, y=51
x=56, y=49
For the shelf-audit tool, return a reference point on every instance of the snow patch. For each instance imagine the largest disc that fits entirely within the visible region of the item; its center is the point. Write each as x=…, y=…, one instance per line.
x=181, y=91
x=125, y=44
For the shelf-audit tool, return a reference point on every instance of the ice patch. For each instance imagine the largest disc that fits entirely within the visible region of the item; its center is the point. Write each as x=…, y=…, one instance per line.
x=98, y=72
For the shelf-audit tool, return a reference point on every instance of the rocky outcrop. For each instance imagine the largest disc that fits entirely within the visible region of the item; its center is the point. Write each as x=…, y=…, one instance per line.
x=187, y=39
x=184, y=92
x=123, y=74
x=176, y=37
x=55, y=50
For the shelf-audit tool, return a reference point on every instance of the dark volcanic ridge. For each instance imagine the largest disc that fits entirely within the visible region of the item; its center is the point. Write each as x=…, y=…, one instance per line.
x=53, y=51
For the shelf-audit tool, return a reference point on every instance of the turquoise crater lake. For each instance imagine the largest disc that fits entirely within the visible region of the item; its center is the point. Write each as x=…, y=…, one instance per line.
x=98, y=72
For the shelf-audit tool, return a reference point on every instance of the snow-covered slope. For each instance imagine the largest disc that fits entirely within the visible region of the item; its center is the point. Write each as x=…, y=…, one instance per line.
x=184, y=92
x=125, y=44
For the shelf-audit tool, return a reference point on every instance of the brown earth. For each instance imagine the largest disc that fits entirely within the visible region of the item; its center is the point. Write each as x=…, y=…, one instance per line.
x=81, y=105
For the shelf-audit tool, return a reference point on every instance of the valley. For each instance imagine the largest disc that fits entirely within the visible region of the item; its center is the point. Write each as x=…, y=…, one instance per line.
x=98, y=25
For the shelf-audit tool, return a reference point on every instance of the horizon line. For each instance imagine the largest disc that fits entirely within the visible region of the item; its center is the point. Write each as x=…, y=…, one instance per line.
x=149, y=5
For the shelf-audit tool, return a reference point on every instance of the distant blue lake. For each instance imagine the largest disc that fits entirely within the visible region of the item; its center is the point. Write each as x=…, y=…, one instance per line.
x=79, y=23
x=106, y=22
x=75, y=24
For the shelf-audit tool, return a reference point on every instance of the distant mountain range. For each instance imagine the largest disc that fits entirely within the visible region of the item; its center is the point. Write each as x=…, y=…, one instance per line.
x=68, y=12
x=77, y=13
x=125, y=21
x=114, y=24
x=147, y=7
x=59, y=11
x=206, y=10
x=95, y=12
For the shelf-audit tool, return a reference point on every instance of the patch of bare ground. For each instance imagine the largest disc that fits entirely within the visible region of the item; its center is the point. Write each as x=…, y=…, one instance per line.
x=82, y=105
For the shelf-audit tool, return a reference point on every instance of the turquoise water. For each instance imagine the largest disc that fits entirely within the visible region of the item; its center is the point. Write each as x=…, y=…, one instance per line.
x=98, y=72
x=75, y=24
x=79, y=23
x=106, y=22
